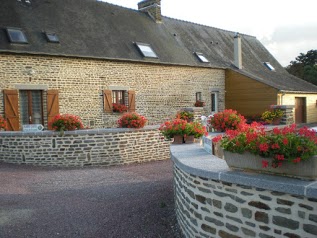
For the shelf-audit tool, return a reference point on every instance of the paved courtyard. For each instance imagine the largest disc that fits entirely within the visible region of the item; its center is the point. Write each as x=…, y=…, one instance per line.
x=125, y=201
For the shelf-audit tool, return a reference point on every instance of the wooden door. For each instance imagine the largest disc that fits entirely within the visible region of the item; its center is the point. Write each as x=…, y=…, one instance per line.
x=300, y=110
x=11, y=109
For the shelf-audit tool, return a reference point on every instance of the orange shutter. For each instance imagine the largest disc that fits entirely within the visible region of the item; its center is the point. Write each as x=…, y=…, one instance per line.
x=11, y=109
x=52, y=105
x=131, y=96
x=107, y=100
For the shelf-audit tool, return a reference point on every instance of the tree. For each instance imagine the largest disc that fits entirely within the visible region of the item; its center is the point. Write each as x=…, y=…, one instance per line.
x=305, y=66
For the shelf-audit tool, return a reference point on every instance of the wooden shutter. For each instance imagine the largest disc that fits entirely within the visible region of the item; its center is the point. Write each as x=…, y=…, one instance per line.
x=131, y=96
x=11, y=109
x=52, y=105
x=107, y=100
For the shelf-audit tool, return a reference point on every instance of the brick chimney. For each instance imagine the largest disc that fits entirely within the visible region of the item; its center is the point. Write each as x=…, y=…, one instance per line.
x=237, y=51
x=151, y=7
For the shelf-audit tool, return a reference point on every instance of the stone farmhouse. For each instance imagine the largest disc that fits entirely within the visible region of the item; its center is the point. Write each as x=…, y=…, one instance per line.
x=81, y=56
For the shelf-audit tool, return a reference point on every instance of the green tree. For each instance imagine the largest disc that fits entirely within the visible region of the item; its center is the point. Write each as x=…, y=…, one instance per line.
x=305, y=66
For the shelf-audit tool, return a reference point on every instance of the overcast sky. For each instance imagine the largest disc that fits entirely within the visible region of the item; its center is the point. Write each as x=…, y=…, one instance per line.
x=285, y=27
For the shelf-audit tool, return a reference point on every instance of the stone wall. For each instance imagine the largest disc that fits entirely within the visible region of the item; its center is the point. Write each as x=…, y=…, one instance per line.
x=161, y=90
x=213, y=201
x=104, y=147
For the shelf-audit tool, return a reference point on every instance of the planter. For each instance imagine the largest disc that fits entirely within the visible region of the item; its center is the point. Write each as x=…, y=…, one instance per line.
x=249, y=162
x=189, y=139
x=276, y=121
x=178, y=139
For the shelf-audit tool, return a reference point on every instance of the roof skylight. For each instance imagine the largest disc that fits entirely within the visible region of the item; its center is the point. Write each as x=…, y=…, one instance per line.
x=201, y=57
x=269, y=66
x=146, y=50
x=16, y=36
x=51, y=37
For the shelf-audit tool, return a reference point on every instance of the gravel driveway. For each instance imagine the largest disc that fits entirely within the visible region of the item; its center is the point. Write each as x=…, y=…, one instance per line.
x=126, y=201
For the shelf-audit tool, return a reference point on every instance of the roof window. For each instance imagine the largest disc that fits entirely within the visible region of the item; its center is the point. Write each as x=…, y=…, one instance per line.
x=201, y=57
x=269, y=66
x=146, y=50
x=51, y=37
x=16, y=36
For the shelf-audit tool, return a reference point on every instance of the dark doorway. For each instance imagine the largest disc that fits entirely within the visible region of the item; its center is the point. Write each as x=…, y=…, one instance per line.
x=300, y=110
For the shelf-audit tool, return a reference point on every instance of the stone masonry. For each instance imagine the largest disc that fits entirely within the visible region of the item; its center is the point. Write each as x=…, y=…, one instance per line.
x=212, y=208
x=161, y=90
x=103, y=147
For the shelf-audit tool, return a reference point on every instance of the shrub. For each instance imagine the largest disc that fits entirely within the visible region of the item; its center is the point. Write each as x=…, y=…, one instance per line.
x=185, y=115
x=283, y=145
x=195, y=129
x=270, y=115
x=66, y=122
x=3, y=123
x=132, y=120
x=226, y=120
x=171, y=128
x=116, y=107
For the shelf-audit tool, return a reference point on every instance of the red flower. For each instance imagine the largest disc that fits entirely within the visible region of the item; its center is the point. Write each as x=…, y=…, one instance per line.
x=285, y=141
x=297, y=160
x=264, y=147
x=265, y=164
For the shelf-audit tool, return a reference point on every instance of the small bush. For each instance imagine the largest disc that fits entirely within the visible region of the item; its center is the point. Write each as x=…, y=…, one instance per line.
x=227, y=119
x=132, y=120
x=66, y=122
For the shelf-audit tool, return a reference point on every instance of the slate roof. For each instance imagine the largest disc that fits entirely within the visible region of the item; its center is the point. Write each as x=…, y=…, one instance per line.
x=87, y=28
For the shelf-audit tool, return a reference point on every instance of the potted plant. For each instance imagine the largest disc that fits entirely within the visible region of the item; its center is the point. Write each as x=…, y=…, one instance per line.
x=132, y=120
x=185, y=115
x=287, y=151
x=199, y=103
x=3, y=124
x=194, y=130
x=227, y=119
x=272, y=116
x=116, y=107
x=174, y=129
x=66, y=122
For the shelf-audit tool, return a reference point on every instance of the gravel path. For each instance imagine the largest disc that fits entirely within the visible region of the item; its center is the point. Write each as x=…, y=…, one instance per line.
x=126, y=201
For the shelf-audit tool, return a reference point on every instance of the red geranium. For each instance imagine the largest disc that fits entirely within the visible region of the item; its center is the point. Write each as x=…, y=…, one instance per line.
x=132, y=120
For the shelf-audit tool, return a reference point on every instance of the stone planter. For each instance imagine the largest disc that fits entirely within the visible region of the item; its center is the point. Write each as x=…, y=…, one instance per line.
x=249, y=162
x=178, y=139
x=189, y=139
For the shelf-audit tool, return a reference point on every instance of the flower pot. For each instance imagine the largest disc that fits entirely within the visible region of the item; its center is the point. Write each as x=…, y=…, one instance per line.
x=276, y=121
x=304, y=169
x=178, y=139
x=189, y=139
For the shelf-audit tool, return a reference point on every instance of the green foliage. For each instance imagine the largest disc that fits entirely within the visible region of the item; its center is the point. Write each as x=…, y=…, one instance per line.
x=305, y=66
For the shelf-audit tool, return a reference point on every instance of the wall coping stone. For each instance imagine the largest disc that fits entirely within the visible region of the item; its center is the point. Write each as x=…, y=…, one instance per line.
x=77, y=132
x=193, y=159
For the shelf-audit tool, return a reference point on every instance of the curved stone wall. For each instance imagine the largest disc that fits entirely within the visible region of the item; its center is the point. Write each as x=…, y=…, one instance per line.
x=212, y=201
x=84, y=147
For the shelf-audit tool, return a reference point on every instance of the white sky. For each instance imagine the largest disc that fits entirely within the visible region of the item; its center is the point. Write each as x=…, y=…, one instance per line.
x=285, y=27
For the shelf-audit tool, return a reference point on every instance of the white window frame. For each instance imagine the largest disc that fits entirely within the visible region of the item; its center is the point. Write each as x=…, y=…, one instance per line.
x=216, y=97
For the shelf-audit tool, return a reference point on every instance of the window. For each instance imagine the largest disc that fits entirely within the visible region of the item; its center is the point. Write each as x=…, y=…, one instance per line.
x=31, y=107
x=269, y=66
x=146, y=50
x=118, y=97
x=214, y=102
x=16, y=36
x=201, y=57
x=51, y=37
x=198, y=96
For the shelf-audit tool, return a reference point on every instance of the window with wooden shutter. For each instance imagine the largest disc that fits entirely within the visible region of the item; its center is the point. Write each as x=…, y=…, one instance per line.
x=11, y=109
x=52, y=105
x=131, y=96
x=107, y=100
